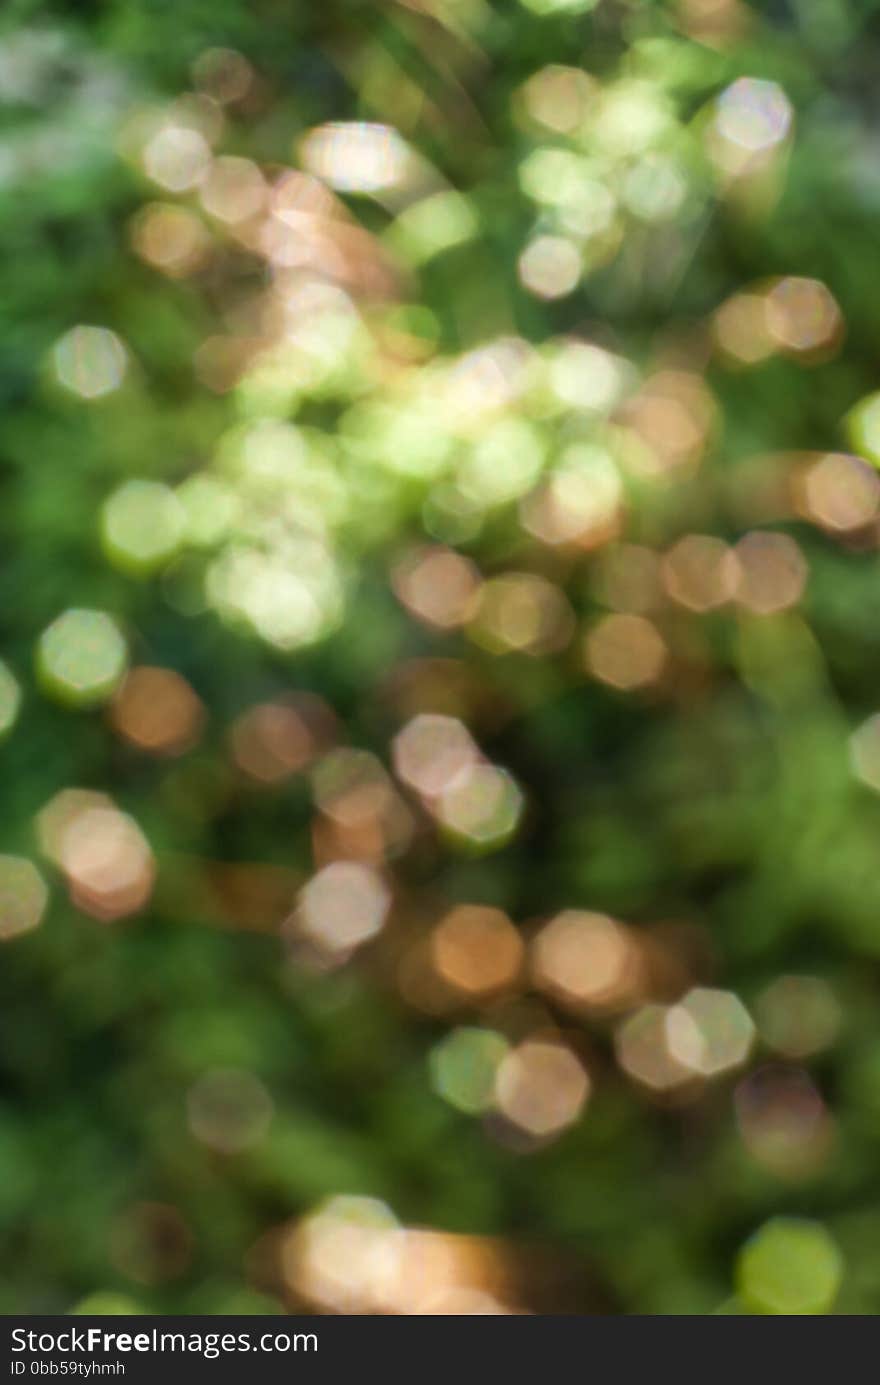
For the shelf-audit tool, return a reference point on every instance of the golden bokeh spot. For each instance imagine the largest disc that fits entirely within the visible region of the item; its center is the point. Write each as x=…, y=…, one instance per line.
x=351, y=1255
x=698, y=572
x=803, y=318
x=625, y=651
x=771, y=572
x=586, y=961
x=274, y=740
x=157, y=711
x=477, y=950
x=342, y=907
x=351, y=786
x=234, y=189
x=580, y=503
x=170, y=238
x=106, y=859
x=642, y=1047
x=541, y=1087
x=177, y=157
x=524, y=613
x=432, y=752
x=839, y=492
x=672, y=416
x=741, y=330
x=438, y=586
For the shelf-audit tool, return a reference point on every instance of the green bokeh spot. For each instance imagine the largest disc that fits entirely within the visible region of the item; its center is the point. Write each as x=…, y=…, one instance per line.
x=789, y=1267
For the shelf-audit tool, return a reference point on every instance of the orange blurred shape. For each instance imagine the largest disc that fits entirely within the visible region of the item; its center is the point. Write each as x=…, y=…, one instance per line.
x=793, y=316
x=274, y=740
x=297, y=195
x=157, y=710
x=345, y=1256
x=352, y=1256
x=362, y=815
x=438, y=586
x=698, y=572
x=432, y=751
x=803, y=318
x=839, y=492
x=343, y=906
x=150, y=1243
x=57, y=815
x=625, y=651
x=642, y=1047
x=741, y=329
x=108, y=863
x=309, y=228
x=177, y=155
x=351, y=786
x=371, y=839
x=522, y=612
x=220, y=362
x=477, y=950
x=586, y=960
x=572, y=509
x=770, y=572
x=784, y=1122
x=673, y=414
x=442, y=1273
x=233, y=190
x=541, y=1087
x=170, y=239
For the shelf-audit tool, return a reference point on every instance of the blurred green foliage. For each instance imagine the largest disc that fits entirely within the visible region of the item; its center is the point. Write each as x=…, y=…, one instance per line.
x=716, y=813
